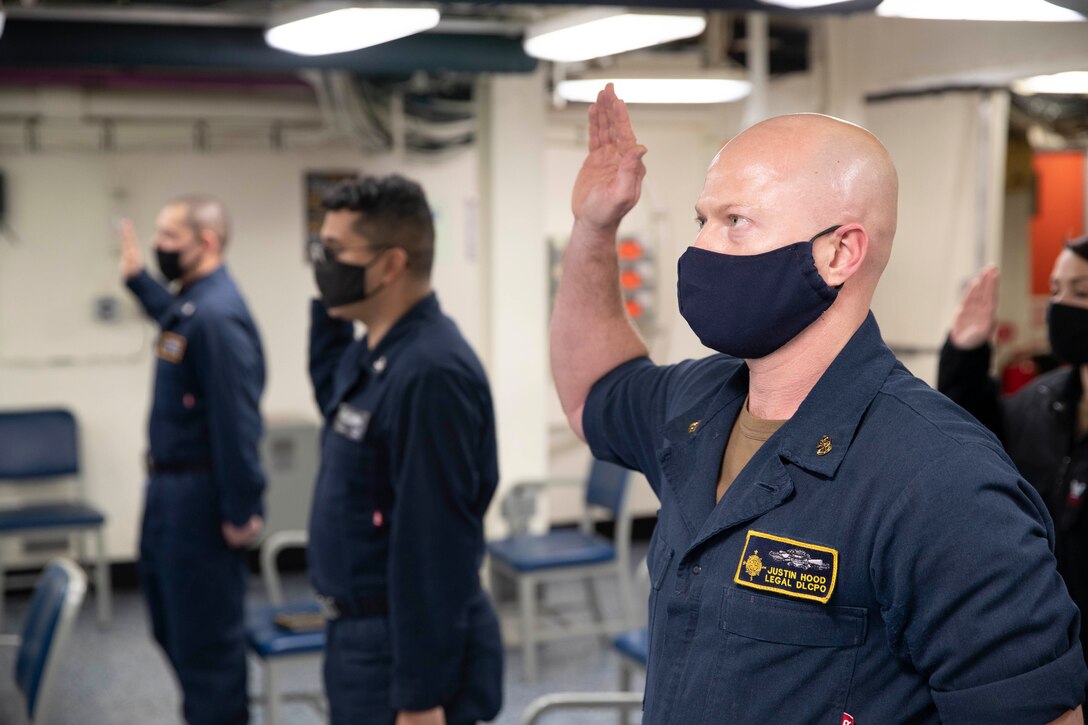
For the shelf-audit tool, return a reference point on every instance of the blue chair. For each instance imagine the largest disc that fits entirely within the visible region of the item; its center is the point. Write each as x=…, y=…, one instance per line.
x=632, y=649
x=532, y=560
x=49, y=620
x=273, y=646
x=38, y=448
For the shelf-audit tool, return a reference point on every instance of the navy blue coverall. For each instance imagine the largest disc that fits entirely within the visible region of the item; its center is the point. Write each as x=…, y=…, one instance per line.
x=879, y=560
x=204, y=468
x=408, y=468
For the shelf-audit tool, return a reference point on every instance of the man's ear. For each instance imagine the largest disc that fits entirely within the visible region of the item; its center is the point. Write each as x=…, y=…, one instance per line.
x=211, y=240
x=850, y=245
x=396, y=264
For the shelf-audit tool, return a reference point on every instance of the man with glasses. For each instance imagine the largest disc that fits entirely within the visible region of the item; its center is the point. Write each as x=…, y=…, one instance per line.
x=408, y=468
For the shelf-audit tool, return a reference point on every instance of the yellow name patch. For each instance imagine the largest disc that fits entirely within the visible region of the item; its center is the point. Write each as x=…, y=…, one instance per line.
x=171, y=347
x=786, y=566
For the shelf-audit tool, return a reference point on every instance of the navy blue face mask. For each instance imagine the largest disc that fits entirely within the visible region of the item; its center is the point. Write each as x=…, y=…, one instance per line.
x=749, y=306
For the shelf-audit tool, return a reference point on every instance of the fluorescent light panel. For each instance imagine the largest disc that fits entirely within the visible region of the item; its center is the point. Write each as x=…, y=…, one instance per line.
x=1073, y=82
x=595, y=33
x=657, y=90
x=802, y=4
x=325, y=28
x=1007, y=10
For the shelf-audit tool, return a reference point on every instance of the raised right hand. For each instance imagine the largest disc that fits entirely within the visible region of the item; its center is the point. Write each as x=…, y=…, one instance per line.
x=131, y=259
x=610, y=181
x=976, y=318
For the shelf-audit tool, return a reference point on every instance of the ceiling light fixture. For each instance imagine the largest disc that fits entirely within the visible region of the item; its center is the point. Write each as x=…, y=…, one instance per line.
x=598, y=32
x=322, y=28
x=1072, y=82
x=1006, y=10
x=802, y=4
x=685, y=87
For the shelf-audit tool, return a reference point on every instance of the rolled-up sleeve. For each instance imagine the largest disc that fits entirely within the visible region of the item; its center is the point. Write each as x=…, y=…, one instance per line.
x=624, y=411
x=964, y=568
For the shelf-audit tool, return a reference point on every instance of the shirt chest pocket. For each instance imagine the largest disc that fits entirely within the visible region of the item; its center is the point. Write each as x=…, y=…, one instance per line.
x=177, y=391
x=786, y=661
x=354, y=475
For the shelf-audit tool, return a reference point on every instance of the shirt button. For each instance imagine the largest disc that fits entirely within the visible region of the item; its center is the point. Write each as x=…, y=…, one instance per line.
x=696, y=570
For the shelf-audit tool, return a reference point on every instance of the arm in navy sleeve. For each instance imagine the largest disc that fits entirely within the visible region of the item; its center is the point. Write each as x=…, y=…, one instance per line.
x=444, y=459
x=627, y=408
x=231, y=368
x=964, y=376
x=329, y=338
x=970, y=595
x=153, y=297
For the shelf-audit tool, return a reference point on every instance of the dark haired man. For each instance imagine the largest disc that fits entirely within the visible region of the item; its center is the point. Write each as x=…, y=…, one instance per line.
x=1044, y=426
x=205, y=481
x=408, y=468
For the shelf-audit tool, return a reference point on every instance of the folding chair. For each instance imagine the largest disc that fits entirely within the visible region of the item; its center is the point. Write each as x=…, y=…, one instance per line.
x=532, y=560
x=38, y=448
x=632, y=648
x=274, y=646
x=48, y=624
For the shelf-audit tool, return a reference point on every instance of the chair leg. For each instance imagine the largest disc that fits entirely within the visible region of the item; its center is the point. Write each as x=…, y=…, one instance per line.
x=81, y=549
x=595, y=609
x=625, y=686
x=627, y=599
x=272, y=694
x=3, y=591
x=527, y=602
x=102, y=580
x=495, y=583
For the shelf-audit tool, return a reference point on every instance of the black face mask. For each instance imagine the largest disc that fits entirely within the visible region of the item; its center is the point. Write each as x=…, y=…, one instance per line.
x=340, y=284
x=170, y=264
x=1068, y=330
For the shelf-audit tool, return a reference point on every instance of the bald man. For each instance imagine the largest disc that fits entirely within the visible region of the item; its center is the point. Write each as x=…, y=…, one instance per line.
x=837, y=542
x=205, y=483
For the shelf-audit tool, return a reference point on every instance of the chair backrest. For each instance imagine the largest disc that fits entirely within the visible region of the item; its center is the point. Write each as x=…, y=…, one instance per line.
x=53, y=609
x=270, y=550
x=607, y=486
x=38, y=444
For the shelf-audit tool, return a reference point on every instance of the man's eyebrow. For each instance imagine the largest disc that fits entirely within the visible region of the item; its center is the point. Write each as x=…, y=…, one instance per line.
x=728, y=208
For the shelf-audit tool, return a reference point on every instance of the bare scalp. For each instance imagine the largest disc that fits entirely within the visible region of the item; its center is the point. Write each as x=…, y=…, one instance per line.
x=832, y=169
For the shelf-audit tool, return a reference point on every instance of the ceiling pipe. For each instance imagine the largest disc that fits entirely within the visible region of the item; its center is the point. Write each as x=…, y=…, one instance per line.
x=757, y=58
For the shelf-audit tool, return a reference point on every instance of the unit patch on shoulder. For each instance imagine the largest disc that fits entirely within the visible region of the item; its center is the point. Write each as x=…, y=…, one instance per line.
x=786, y=566
x=171, y=347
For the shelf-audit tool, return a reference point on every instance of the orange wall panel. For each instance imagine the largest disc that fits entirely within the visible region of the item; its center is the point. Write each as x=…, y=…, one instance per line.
x=1059, y=211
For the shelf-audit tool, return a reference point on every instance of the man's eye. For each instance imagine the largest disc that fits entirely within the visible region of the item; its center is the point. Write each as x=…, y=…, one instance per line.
x=700, y=222
x=734, y=219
